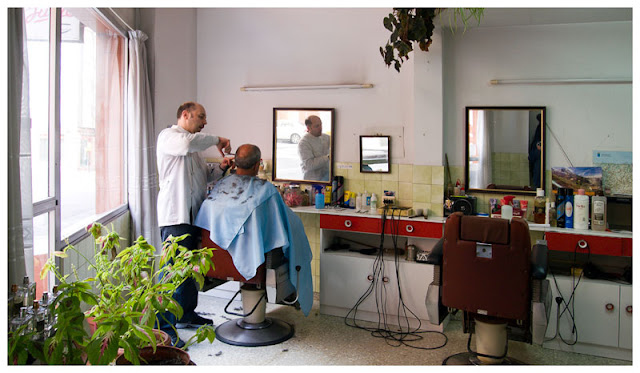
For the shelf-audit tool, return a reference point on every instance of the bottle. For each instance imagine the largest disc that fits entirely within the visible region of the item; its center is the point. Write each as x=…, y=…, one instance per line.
x=23, y=318
x=15, y=302
x=366, y=201
x=581, y=211
x=38, y=320
x=327, y=195
x=553, y=214
x=507, y=212
x=319, y=201
x=373, y=204
x=538, y=207
x=47, y=309
x=599, y=212
x=547, y=207
x=560, y=199
x=352, y=200
x=568, y=209
x=359, y=202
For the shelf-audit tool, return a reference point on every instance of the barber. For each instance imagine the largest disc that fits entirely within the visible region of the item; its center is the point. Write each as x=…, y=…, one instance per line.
x=314, y=149
x=183, y=176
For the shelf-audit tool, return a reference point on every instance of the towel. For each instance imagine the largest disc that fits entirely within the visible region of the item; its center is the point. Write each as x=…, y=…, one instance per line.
x=247, y=217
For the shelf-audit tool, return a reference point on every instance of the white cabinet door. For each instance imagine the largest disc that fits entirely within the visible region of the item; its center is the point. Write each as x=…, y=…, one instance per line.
x=626, y=317
x=595, y=310
x=414, y=280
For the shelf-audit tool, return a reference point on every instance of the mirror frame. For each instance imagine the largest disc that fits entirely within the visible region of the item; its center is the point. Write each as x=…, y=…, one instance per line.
x=505, y=189
x=274, y=166
x=388, y=155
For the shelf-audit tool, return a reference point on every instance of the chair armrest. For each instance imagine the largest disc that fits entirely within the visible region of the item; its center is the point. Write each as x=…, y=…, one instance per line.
x=435, y=256
x=539, y=260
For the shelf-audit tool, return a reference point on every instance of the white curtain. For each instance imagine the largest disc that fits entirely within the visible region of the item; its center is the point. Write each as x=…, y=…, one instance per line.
x=482, y=175
x=142, y=174
x=20, y=219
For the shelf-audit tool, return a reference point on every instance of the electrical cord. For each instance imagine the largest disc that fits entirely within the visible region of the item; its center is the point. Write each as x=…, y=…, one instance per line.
x=400, y=333
x=569, y=305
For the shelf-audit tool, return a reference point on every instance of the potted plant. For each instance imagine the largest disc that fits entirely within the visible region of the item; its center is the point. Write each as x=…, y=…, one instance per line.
x=130, y=289
x=408, y=25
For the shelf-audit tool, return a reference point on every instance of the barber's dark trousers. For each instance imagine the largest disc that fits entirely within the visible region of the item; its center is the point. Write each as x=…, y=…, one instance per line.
x=186, y=294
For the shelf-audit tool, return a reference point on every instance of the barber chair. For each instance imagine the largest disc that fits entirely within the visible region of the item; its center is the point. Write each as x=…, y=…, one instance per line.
x=271, y=283
x=486, y=268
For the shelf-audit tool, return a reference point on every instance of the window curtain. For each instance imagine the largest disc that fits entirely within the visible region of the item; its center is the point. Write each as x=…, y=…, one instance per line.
x=20, y=219
x=142, y=174
x=482, y=175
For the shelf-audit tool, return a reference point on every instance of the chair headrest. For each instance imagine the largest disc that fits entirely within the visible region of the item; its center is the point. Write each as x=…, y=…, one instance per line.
x=483, y=229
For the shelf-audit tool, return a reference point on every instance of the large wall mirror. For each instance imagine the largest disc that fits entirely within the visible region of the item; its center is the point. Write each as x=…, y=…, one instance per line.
x=303, y=145
x=505, y=148
x=375, y=154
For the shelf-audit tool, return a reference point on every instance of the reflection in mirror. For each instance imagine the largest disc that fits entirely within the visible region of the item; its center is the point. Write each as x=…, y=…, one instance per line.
x=303, y=145
x=504, y=149
x=374, y=154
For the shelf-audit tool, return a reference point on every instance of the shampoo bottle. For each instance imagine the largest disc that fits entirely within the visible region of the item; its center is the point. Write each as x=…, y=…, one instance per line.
x=581, y=211
x=599, y=212
x=539, y=207
x=373, y=204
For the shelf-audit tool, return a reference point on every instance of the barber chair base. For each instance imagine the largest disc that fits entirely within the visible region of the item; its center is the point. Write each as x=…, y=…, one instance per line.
x=469, y=358
x=240, y=333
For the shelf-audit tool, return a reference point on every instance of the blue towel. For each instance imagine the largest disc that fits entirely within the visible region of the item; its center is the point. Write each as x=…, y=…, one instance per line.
x=247, y=217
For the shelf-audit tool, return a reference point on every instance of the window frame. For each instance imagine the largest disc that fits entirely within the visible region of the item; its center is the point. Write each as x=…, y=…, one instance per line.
x=52, y=203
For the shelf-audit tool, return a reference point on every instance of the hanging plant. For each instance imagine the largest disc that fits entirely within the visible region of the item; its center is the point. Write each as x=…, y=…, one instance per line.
x=408, y=25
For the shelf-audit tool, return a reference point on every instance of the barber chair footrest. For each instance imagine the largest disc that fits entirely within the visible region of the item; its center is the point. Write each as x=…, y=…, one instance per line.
x=240, y=333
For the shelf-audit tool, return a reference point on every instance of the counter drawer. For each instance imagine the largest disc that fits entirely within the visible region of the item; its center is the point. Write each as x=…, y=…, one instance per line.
x=350, y=223
x=582, y=243
x=374, y=225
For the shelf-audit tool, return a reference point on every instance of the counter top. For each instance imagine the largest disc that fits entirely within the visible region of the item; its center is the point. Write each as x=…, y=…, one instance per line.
x=339, y=211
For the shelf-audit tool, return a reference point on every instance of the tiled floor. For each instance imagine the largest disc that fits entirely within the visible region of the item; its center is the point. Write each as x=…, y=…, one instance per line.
x=326, y=340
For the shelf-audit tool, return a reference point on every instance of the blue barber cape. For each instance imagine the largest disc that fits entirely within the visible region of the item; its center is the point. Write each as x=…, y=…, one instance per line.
x=247, y=217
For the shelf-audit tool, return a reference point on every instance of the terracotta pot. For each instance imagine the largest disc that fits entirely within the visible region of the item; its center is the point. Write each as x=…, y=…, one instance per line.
x=164, y=355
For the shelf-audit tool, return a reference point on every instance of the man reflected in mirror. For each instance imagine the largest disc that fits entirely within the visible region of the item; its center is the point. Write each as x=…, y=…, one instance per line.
x=314, y=151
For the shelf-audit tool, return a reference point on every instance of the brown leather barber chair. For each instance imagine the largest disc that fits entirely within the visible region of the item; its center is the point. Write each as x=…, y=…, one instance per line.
x=271, y=283
x=486, y=268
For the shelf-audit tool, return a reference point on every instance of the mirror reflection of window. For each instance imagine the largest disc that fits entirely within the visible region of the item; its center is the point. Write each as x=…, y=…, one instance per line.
x=374, y=154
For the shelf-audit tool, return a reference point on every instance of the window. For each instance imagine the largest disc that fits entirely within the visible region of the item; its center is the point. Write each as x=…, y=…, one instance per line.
x=76, y=94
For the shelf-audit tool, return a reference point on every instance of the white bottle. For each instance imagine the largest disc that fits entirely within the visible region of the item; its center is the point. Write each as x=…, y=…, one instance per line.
x=359, y=203
x=599, y=213
x=373, y=204
x=506, y=212
x=581, y=211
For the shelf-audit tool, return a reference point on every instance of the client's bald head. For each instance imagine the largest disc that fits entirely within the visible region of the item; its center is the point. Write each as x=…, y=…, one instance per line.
x=248, y=160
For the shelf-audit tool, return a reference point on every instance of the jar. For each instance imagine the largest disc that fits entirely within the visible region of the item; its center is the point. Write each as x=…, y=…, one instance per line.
x=293, y=195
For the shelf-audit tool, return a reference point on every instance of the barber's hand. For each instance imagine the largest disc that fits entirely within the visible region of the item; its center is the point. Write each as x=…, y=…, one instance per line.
x=227, y=163
x=224, y=144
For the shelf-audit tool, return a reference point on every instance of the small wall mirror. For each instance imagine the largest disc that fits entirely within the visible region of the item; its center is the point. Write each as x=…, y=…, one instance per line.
x=375, y=154
x=303, y=145
x=505, y=149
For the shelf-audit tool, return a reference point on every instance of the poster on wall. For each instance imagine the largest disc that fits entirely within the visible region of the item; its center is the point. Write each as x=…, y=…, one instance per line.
x=587, y=178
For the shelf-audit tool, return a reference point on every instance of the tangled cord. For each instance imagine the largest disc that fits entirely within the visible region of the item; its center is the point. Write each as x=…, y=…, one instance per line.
x=402, y=334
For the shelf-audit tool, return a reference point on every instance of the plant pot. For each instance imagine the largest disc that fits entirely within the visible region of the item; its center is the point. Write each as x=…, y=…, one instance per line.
x=164, y=355
x=162, y=339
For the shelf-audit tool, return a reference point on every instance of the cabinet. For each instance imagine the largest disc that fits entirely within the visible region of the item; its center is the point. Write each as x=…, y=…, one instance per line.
x=603, y=317
x=585, y=243
x=345, y=277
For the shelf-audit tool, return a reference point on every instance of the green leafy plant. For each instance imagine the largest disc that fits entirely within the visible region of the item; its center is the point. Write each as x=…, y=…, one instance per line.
x=408, y=25
x=130, y=290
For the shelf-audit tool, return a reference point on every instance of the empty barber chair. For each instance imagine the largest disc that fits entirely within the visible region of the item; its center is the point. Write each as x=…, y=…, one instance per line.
x=486, y=268
x=271, y=283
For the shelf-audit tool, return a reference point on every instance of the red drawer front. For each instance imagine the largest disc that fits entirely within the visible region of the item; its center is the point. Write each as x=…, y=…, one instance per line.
x=599, y=245
x=350, y=223
x=627, y=246
x=374, y=225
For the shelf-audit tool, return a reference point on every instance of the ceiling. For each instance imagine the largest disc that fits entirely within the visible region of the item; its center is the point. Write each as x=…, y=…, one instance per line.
x=498, y=17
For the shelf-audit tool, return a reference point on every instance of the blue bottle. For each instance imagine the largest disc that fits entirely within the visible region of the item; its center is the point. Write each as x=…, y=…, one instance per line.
x=319, y=198
x=568, y=209
x=560, y=200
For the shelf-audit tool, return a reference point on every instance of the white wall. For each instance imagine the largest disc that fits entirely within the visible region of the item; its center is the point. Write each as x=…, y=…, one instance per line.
x=172, y=60
x=254, y=47
x=583, y=117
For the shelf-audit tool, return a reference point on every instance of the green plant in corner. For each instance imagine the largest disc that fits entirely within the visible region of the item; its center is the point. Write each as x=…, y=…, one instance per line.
x=408, y=25
x=130, y=290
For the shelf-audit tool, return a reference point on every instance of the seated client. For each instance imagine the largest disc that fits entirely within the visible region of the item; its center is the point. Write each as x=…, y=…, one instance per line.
x=247, y=217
